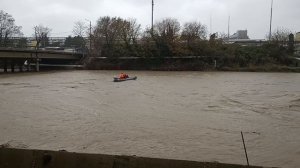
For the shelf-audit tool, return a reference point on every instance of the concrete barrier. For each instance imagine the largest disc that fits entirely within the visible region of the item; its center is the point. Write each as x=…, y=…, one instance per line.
x=20, y=158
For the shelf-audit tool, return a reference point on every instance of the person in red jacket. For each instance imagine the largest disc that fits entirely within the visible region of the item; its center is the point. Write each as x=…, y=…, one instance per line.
x=123, y=76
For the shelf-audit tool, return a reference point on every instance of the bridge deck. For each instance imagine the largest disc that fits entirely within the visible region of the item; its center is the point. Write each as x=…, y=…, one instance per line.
x=42, y=54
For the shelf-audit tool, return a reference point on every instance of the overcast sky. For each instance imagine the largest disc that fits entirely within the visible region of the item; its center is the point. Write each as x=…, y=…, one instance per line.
x=60, y=15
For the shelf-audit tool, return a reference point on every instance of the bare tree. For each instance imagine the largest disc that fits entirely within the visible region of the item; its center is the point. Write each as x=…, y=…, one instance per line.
x=146, y=34
x=130, y=31
x=79, y=29
x=8, y=28
x=168, y=29
x=166, y=35
x=281, y=35
x=193, y=31
x=41, y=34
x=107, y=34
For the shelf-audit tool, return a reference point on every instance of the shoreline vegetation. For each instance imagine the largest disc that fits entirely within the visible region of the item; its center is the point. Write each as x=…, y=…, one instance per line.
x=184, y=64
x=168, y=46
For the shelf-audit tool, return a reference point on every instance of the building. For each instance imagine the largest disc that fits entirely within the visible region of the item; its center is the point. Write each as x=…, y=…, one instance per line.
x=297, y=39
x=57, y=41
x=52, y=41
x=247, y=42
x=297, y=44
x=31, y=42
x=241, y=37
x=240, y=34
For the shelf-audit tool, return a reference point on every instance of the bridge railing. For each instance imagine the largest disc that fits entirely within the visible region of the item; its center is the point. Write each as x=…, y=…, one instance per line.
x=52, y=43
x=45, y=50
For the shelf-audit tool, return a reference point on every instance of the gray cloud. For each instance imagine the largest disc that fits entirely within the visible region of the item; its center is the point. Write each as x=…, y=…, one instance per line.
x=60, y=15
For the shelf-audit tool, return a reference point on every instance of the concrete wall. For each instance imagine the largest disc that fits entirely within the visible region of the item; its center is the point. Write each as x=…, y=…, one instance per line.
x=19, y=158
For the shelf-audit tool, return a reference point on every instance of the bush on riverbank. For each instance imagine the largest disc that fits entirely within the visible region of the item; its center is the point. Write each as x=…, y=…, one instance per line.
x=162, y=47
x=164, y=64
x=268, y=57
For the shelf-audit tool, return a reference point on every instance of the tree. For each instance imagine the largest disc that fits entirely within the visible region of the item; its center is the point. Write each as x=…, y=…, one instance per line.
x=79, y=29
x=77, y=42
x=148, y=44
x=22, y=43
x=41, y=34
x=193, y=35
x=281, y=36
x=130, y=31
x=8, y=28
x=168, y=29
x=193, y=31
x=166, y=34
x=106, y=34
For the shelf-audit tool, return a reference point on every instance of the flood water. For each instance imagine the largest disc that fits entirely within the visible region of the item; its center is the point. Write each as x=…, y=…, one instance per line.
x=175, y=115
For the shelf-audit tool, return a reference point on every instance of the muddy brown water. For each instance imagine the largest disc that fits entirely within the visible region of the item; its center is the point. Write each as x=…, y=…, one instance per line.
x=175, y=115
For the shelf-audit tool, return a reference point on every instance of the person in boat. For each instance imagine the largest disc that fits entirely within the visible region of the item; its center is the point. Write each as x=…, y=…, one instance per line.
x=123, y=76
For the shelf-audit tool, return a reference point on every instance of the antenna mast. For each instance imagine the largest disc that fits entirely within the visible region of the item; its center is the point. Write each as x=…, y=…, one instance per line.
x=271, y=18
x=152, y=17
x=228, y=28
x=210, y=24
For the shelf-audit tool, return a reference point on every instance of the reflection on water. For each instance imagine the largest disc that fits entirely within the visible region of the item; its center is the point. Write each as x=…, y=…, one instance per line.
x=177, y=115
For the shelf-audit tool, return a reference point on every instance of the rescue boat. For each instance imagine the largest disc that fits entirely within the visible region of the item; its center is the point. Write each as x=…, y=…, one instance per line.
x=116, y=79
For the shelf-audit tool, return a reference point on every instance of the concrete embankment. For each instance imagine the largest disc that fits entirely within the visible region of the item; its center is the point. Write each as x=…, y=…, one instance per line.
x=20, y=158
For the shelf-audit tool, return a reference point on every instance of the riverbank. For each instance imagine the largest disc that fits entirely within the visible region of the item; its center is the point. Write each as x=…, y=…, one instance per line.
x=271, y=68
x=13, y=158
x=185, y=64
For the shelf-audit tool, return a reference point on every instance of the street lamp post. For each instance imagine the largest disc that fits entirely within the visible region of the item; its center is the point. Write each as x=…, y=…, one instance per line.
x=271, y=18
x=90, y=38
x=152, y=17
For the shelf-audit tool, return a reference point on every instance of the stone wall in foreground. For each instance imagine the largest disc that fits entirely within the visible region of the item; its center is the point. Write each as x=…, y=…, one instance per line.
x=20, y=158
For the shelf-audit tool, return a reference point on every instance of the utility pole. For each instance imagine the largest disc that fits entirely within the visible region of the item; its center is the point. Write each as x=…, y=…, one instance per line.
x=228, y=35
x=152, y=17
x=210, y=24
x=271, y=18
x=90, y=36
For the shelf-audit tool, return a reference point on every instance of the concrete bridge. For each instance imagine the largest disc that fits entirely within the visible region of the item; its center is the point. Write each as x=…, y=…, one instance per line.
x=17, y=57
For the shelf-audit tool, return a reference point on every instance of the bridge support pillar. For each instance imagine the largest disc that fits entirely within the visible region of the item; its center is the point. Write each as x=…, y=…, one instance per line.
x=37, y=68
x=28, y=65
x=21, y=66
x=12, y=64
x=5, y=65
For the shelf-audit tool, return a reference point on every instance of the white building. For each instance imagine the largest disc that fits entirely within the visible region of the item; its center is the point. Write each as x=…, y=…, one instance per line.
x=57, y=40
x=240, y=34
x=297, y=38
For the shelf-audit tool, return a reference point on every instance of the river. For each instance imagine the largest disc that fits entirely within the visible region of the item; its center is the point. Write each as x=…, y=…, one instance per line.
x=175, y=115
